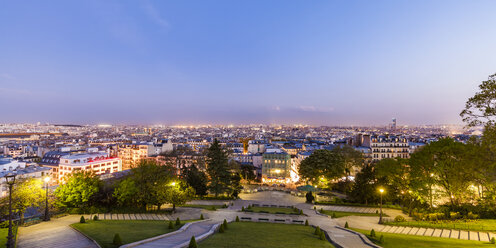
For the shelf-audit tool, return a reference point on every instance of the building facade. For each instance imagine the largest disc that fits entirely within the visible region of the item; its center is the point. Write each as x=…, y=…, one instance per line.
x=389, y=147
x=276, y=166
x=98, y=162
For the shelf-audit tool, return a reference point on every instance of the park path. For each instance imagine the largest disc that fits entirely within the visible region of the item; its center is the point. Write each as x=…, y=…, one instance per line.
x=369, y=223
x=53, y=234
x=181, y=238
x=392, y=213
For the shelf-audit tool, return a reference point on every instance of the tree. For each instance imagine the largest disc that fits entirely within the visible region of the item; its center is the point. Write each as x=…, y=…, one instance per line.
x=236, y=186
x=322, y=163
x=445, y=163
x=126, y=192
x=364, y=189
x=393, y=173
x=79, y=189
x=150, y=180
x=481, y=108
x=27, y=192
x=247, y=172
x=352, y=158
x=218, y=169
x=196, y=178
x=178, y=194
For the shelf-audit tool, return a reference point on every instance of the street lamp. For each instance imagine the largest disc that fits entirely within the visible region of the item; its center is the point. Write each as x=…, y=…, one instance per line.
x=430, y=189
x=381, y=191
x=10, y=179
x=47, y=216
x=173, y=184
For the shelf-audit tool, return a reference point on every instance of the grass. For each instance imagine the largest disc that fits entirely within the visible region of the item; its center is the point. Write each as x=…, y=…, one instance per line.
x=487, y=225
x=392, y=240
x=255, y=235
x=343, y=214
x=206, y=207
x=273, y=210
x=103, y=231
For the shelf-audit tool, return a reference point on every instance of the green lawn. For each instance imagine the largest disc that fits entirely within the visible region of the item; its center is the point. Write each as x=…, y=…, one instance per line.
x=206, y=207
x=343, y=214
x=255, y=235
x=103, y=231
x=488, y=225
x=392, y=240
x=273, y=210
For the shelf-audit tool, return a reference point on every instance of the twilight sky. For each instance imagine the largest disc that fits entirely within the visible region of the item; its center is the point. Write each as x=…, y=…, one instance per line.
x=232, y=62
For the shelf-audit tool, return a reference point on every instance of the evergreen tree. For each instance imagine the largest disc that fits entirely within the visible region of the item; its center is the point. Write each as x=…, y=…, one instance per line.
x=117, y=240
x=192, y=243
x=196, y=178
x=218, y=169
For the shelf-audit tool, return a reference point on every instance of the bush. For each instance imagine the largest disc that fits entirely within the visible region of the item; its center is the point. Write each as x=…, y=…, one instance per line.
x=377, y=211
x=317, y=231
x=372, y=233
x=117, y=240
x=225, y=224
x=493, y=240
x=178, y=222
x=381, y=239
x=192, y=243
x=82, y=220
x=455, y=215
x=201, y=217
x=171, y=226
x=309, y=196
x=306, y=222
x=237, y=219
x=322, y=236
x=95, y=218
x=399, y=218
x=221, y=228
x=314, y=208
x=242, y=208
x=346, y=225
x=472, y=216
x=214, y=208
x=334, y=216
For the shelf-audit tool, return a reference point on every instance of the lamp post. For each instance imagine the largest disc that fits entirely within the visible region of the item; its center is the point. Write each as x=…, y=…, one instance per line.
x=381, y=190
x=10, y=179
x=430, y=190
x=47, y=216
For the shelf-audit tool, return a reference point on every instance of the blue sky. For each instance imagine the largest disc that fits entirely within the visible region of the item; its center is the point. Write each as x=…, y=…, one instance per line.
x=233, y=62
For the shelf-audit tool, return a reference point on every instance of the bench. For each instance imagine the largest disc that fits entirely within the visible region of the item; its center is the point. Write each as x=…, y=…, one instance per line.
x=246, y=218
x=263, y=219
x=279, y=220
x=298, y=221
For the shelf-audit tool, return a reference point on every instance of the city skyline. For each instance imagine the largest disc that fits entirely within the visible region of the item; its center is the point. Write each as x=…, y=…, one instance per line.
x=279, y=62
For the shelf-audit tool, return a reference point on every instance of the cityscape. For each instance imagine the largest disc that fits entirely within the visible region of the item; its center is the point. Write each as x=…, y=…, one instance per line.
x=247, y=124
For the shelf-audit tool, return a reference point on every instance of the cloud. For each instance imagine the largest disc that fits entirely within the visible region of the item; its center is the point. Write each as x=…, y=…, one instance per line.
x=315, y=109
x=153, y=14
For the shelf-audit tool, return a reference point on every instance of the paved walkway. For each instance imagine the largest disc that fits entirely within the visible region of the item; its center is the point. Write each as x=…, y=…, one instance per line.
x=53, y=234
x=392, y=213
x=195, y=229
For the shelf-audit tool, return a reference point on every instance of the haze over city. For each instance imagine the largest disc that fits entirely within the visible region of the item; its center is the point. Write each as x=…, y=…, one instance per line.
x=223, y=62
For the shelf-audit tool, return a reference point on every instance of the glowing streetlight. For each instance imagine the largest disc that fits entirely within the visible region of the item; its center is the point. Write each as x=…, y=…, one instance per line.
x=173, y=184
x=10, y=180
x=47, y=216
x=381, y=191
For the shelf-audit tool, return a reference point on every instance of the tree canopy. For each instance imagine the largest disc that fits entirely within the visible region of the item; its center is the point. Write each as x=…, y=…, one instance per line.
x=480, y=109
x=323, y=163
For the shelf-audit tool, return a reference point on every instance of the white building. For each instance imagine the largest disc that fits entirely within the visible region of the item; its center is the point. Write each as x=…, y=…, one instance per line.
x=99, y=162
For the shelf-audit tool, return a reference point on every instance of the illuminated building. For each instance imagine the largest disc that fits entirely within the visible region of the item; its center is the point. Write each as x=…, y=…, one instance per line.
x=276, y=166
x=99, y=162
x=389, y=147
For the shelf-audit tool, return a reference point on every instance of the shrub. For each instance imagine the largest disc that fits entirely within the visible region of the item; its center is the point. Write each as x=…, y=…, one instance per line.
x=117, y=240
x=377, y=211
x=301, y=212
x=372, y=233
x=242, y=208
x=192, y=243
x=178, y=222
x=472, y=216
x=334, y=216
x=82, y=220
x=306, y=222
x=237, y=218
x=225, y=224
x=346, y=225
x=321, y=210
x=171, y=226
x=322, y=236
x=214, y=208
x=221, y=228
x=314, y=208
x=224, y=206
x=399, y=218
x=381, y=239
x=95, y=218
x=493, y=240
x=201, y=217
x=455, y=215
x=317, y=231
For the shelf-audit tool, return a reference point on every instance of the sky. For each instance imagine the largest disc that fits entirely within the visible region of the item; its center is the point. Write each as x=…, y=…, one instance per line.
x=243, y=62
